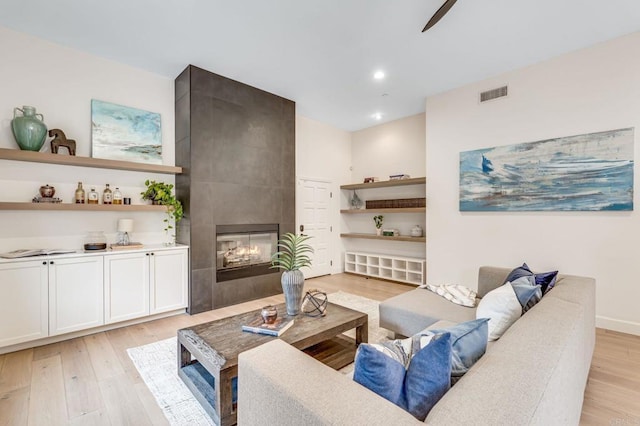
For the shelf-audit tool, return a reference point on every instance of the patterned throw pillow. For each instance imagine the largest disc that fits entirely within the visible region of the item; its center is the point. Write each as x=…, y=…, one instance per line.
x=412, y=373
x=527, y=292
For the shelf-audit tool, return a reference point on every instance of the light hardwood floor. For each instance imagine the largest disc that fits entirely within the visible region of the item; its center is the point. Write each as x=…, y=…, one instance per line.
x=91, y=380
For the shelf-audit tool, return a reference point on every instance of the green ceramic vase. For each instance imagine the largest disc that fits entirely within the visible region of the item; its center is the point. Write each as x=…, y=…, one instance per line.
x=28, y=130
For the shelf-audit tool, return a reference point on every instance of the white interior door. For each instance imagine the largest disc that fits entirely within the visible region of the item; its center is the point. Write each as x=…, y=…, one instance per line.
x=315, y=202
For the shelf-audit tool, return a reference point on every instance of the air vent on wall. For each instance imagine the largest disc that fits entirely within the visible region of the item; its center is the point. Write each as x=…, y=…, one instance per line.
x=493, y=94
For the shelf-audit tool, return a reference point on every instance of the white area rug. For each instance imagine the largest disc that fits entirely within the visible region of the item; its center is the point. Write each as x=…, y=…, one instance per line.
x=157, y=365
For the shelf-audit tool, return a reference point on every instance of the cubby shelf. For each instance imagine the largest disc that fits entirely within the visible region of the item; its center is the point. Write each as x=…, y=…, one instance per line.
x=395, y=268
x=72, y=160
x=382, y=237
x=83, y=207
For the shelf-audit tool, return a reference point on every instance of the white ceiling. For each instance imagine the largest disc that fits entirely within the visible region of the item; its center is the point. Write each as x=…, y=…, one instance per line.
x=322, y=54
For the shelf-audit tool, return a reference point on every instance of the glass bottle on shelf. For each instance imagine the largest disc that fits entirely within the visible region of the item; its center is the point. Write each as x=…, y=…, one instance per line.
x=117, y=196
x=107, y=196
x=79, y=197
x=93, y=197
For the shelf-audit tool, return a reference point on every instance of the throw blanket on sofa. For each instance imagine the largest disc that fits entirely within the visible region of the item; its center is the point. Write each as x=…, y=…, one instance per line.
x=455, y=293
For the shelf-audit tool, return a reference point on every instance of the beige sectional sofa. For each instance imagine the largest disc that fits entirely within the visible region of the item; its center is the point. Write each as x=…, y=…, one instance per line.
x=535, y=374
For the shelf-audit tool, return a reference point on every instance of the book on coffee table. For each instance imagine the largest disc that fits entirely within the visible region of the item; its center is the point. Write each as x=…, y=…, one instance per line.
x=276, y=329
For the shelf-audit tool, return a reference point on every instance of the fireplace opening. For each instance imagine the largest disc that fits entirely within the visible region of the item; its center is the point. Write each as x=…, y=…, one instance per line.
x=245, y=250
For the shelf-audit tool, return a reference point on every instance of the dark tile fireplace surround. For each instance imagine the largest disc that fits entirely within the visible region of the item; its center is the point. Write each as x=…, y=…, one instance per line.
x=236, y=145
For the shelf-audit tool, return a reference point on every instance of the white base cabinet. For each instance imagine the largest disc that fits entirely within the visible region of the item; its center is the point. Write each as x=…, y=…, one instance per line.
x=408, y=270
x=141, y=284
x=24, y=302
x=76, y=294
x=53, y=295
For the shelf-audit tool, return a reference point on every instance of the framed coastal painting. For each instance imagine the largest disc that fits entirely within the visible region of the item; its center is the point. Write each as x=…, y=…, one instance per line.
x=123, y=133
x=590, y=172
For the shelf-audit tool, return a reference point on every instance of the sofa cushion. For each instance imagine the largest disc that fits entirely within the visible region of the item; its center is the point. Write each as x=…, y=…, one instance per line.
x=413, y=311
x=468, y=344
x=502, y=308
x=380, y=368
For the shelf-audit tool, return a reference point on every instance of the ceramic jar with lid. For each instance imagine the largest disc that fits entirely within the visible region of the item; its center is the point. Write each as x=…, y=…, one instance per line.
x=416, y=231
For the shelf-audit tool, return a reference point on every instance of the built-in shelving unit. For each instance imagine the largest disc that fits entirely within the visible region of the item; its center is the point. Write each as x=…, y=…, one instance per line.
x=386, y=183
x=386, y=210
x=83, y=207
x=72, y=160
x=403, y=269
x=382, y=237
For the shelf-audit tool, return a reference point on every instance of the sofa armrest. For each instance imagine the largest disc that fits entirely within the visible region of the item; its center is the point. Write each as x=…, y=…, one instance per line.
x=278, y=384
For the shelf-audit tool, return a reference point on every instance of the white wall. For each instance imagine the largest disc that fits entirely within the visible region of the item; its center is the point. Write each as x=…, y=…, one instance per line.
x=380, y=151
x=591, y=90
x=323, y=153
x=60, y=82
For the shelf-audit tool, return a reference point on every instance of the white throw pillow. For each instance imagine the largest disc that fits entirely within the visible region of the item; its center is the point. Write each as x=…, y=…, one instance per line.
x=502, y=307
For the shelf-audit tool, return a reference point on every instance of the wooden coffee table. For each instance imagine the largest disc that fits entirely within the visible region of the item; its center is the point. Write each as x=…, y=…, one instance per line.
x=208, y=353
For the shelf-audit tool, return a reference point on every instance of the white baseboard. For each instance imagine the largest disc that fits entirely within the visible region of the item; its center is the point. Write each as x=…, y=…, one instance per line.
x=622, y=326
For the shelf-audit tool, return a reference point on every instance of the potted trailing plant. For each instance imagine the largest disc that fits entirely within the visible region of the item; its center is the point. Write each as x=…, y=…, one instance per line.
x=293, y=254
x=378, y=221
x=162, y=194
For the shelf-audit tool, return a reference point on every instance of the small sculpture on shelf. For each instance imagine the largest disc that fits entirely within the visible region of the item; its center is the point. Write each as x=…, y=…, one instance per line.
x=355, y=201
x=60, y=140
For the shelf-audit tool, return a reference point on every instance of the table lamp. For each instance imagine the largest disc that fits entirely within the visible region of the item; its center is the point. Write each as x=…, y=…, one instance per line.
x=125, y=226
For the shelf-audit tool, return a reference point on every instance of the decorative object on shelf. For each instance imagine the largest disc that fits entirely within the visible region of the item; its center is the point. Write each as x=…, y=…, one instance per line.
x=28, y=130
x=390, y=233
x=125, y=226
x=107, y=196
x=397, y=203
x=127, y=201
x=47, y=191
x=400, y=176
x=123, y=133
x=591, y=172
x=356, y=202
x=416, y=231
x=371, y=179
x=60, y=140
x=161, y=193
x=269, y=314
x=95, y=240
x=293, y=254
x=378, y=221
x=79, y=195
x=315, y=303
x=50, y=200
x=117, y=196
x=93, y=197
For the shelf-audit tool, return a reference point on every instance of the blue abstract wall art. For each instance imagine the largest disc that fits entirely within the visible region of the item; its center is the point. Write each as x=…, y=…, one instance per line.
x=123, y=133
x=589, y=172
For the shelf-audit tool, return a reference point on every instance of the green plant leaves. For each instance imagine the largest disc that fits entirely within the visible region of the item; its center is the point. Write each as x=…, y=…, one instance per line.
x=161, y=193
x=293, y=252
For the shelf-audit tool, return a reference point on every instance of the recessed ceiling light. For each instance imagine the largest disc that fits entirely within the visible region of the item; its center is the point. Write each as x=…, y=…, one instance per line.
x=377, y=116
x=378, y=75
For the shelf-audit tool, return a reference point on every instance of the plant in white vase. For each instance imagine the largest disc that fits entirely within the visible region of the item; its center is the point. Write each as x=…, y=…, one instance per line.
x=293, y=254
x=378, y=221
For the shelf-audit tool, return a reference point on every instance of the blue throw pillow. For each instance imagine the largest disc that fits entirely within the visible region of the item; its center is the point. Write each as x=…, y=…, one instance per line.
x=428, y=377
x=418, y=387
x=379, y=372
x=527, y=292
x=546, y=280
x=468, y=344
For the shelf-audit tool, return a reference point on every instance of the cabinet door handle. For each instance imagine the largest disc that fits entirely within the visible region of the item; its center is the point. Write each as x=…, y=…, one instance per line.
x=44, y=263
x=146, y=254
x=51, y=263
x=152, y=254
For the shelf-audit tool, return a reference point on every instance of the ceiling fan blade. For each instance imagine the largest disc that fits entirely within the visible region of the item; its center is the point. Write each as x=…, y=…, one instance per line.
x=439, y=14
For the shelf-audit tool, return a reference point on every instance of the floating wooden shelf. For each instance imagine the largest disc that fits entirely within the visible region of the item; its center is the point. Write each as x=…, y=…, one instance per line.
x=83, y=207
x=386, y=210
x=376, y=237
x=72, y=160
x=386, y=183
